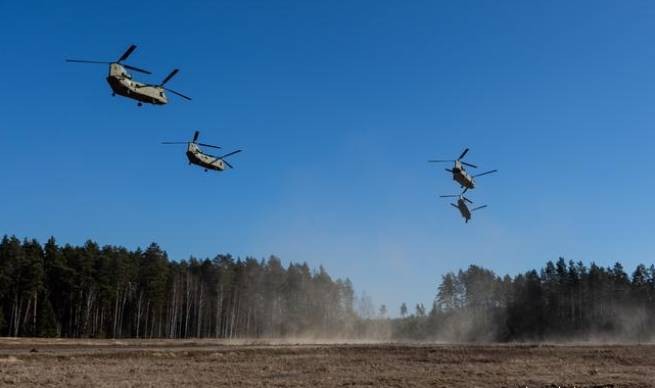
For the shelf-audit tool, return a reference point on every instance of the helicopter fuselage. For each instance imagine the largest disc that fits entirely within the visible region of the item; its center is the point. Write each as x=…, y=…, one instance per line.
x=462, y=177
x=463, y=209
x=208, y=162
x=121, y=83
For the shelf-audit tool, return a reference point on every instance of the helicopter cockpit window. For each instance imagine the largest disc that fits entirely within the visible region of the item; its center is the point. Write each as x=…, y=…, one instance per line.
x=161, y=94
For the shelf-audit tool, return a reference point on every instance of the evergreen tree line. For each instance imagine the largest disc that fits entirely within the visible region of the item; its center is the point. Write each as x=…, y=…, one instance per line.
x=112, y=292
x=562, y=301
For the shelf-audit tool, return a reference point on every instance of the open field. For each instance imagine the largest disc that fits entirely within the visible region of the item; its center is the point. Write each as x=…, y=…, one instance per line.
x=252, y=363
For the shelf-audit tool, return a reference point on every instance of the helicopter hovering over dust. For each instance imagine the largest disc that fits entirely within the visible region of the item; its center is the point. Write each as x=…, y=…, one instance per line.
x=462, y=206
x=122, y=83
x=199, y=158
x=460, y=175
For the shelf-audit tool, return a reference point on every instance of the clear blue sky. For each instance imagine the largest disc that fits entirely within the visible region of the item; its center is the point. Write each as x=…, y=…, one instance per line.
x=337, y=106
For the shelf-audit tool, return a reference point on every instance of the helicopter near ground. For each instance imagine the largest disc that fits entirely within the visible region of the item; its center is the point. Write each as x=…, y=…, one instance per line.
x=123, y=84
x=197, y=157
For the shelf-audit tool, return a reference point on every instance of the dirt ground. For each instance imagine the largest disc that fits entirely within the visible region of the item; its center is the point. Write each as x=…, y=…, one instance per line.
x=128, y=363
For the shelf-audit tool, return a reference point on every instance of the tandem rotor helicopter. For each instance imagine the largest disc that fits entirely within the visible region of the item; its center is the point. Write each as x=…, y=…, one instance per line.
x=466, y=180
x=122, y=83
x=199, y=158
x=462, y=207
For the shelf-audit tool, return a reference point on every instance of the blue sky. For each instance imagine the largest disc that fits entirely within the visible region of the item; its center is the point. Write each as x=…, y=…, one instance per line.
x=337, y=106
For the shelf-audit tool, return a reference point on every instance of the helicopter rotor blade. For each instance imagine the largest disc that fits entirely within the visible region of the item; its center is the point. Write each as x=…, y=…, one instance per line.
x=453, y=205
x=126, y=53
x=208, y=145
x=85, y=61
x=195, y=136
x=222, y=157
x=230, y=154
x=485, y=173
x=469, y=164
x=168, y=77
x=478, y=208
x=463, y=153
x=174, y=142
x=449, y=170
x=179, y=94
x=449, y=196
x=136, y=69
x=440, y=161
x=467, y=200
x=465, y=190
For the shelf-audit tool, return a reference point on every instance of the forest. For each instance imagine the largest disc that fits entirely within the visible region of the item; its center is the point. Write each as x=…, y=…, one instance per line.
x=562, y=301
x=112, y=292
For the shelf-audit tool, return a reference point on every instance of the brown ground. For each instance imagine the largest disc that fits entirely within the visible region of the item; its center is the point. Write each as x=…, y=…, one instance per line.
x=219, y=363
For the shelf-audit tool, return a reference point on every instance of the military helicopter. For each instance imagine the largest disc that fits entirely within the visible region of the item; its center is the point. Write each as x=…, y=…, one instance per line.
x=460, y=175
x=199, y=158
x=121, y=81
x=462, y=207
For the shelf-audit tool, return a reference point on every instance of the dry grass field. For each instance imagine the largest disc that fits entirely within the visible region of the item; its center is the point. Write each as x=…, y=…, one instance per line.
x=128, y=363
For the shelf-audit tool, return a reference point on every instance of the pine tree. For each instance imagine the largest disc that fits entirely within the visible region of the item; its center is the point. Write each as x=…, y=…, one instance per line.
x=447, y=292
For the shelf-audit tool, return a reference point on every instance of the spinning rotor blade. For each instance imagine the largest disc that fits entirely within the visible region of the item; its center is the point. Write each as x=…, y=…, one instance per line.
x=208, y=145
x=469, y=164
x=174, y=142
x=168, y=77
x=179, y=94
x=467, y=200
x=449, y=170
x=478, y=208
x=230, y=154
x=84, y=61
x=136, y=69
x=222, y=157
x=455, y=206
x=463, y=153
x=126, y=53
x=195, y=136
x=485, y=173
x=448, y=196
x=109, y=63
